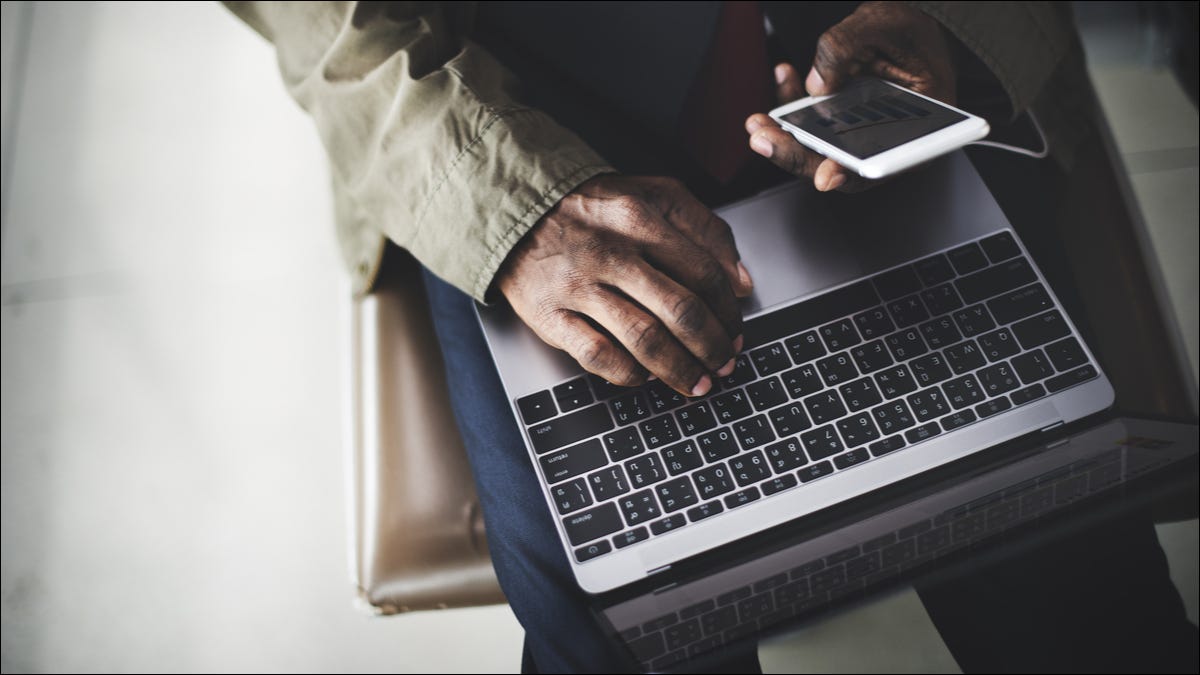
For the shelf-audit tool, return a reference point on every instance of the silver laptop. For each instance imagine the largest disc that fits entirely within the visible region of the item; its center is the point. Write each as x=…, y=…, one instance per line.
x=889, y=333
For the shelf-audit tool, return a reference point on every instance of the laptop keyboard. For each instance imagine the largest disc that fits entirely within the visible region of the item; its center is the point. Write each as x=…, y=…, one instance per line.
x=821, y=387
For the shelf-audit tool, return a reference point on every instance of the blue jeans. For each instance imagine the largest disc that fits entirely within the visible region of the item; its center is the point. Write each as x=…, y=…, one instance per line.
x=560, y=633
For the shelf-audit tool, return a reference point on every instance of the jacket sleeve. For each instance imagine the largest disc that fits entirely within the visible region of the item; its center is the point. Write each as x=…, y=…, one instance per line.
x=423, y=129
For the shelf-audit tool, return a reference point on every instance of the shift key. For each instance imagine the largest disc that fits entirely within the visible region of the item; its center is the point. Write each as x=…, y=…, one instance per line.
x=570, y=428
x=570, y=462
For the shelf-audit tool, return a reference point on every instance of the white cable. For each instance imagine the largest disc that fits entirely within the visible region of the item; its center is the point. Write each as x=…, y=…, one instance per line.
x=1036, y=154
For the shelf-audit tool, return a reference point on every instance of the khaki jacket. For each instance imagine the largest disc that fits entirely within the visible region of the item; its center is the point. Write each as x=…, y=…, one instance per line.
x=430, y=148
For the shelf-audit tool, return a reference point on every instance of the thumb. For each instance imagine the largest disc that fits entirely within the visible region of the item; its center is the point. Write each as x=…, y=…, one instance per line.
x=788, y=87
x=835, y=63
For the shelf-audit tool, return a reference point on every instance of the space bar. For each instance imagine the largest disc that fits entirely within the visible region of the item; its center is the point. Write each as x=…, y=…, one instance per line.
x=809, y=314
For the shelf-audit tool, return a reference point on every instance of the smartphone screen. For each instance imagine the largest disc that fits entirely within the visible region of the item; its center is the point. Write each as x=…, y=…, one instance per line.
x=869, y=117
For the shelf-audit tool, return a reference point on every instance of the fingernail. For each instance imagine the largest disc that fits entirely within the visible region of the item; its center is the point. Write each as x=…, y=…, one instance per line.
x=814, y=82
x=836, y=182
x=651, y=377
x=702, y=386
x=780, y=73
x=762, y=146
x=738, y=342
x=727, y=369
x=744, y=276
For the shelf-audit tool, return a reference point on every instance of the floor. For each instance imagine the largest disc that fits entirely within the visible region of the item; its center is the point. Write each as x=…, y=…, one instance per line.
x=172, y=382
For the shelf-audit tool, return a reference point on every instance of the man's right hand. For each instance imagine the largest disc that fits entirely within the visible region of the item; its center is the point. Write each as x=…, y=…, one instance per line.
x=633, y=276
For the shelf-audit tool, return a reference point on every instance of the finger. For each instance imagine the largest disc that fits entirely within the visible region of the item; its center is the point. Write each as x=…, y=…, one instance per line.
x=758, y=121
x=592, y=349
x=788, y=85
x=648, y=341
x=829, y=176
x=785, y=151
x=837, y=60
x=694, y=269
x=684, y=313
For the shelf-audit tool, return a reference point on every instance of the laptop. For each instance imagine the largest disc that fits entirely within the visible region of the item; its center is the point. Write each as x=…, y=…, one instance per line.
x=889, y=333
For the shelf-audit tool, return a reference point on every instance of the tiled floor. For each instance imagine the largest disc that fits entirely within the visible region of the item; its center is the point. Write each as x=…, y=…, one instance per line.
x=171, y=383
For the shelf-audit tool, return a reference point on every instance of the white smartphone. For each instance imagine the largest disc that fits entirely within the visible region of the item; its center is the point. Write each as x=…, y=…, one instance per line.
x=876, y=128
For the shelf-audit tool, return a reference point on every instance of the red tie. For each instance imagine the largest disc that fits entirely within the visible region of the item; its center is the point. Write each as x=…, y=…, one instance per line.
x=734, y=84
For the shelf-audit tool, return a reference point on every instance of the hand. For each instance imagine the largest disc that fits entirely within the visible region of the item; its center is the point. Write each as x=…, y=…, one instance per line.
x=640, y=260
x=889, y=40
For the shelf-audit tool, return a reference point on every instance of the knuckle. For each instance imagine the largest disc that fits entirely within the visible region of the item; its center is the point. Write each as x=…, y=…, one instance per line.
x=625, y=375
x=712, y=276
x=593, y=353
x=645, y=336
x=688, y=312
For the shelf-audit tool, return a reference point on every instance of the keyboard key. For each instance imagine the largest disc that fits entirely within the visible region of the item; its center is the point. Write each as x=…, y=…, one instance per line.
x=676, y=494
x=815, y=471
x=603, y=389
x=995, y=280
x=859, y=394
x=717, y=445
x=889, y=444
x=955, y=420
x=967, y=259
x=749, y=468
x=753, y=432
x=802, y=381
x=629, y=408
x=631, y=537
x=964, y=357
x=1070, y=378
x=786, y=455
x=992, y=407
x=871, y=356
x=928, y=404
x=704, y=511
x=570, y=428
x=770, y=359
x=929, y=369
x=941, y=299
x=824, y=407
x=592, y=524
x=742, y=497
x=821, y=442
x=897, y=283
x=788, y=420
x=837, y=369
x=1032, y=366
x=645, y=470
x=998, y=344
x=778, y=484
x=766, y=393
x=659, y=431
x=849, y=459
x=667, y=524
x=695, y=418
x=573, y=461
x=809, y=314
x=1038, y=330
x=974, y=320
x=963, y=391
x=895, y=381
x=1066, y=354
x=907, y=311
x=857, y=430
x=730, y=406
x=537, y=407
x=573, y=395
x=682, y=458
x=1000, y=247
x=608, y=482
x=874, y=323
x=922, y=432
x=713, y=481
x=906, y=344
x=586, y=553
x=743, y=372
x=1027, y=394
x=839, y=335
x=623, y=444
x=805, y=347
x=934, y=270
x=1020, y=303
x=892, y=417
x=663, y=398
x=940, y=332
x=571, y=496
x=998, y=379
x=639, y=507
